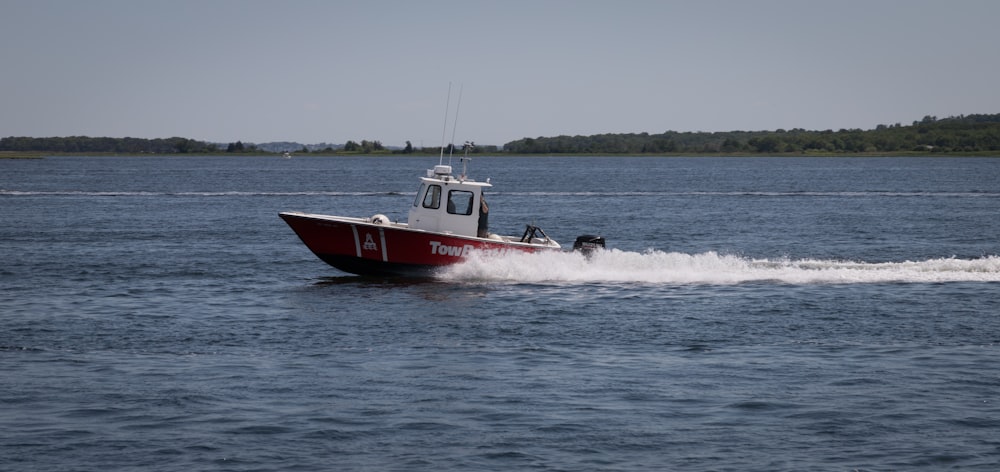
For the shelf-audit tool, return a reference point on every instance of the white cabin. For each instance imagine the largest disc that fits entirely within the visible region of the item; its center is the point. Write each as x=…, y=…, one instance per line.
x=445, y=204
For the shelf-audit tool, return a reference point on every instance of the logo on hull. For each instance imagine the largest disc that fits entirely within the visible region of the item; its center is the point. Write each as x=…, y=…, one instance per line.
x=370, y=243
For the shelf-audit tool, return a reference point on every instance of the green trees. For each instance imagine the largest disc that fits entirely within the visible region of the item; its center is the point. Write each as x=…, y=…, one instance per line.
x=365, y=147
x=371, y=146
x=968, y=133
x=956, y=134
x=79, y=144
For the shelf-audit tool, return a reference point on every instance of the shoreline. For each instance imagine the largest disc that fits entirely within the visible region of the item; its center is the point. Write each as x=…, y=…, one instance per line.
x=43, y=155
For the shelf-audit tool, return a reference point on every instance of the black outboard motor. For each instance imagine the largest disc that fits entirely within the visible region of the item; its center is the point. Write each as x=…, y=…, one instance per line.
x=588, y=243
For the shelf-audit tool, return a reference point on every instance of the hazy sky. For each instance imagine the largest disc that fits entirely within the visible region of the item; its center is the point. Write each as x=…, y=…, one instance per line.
x=328, y=71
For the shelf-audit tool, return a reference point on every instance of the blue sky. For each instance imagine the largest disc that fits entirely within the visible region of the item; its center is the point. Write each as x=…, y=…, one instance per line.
x=329, y=71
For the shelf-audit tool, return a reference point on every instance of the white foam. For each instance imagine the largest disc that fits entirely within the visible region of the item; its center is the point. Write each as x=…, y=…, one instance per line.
x=658, y=267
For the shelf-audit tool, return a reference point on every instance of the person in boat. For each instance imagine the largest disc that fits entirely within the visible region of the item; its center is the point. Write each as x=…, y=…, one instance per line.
x=484, y=216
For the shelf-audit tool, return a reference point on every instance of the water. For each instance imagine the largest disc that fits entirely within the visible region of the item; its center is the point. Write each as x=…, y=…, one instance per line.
x=752, y=314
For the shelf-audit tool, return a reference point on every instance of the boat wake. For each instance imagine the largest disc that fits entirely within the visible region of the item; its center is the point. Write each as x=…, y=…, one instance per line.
x=658, y=267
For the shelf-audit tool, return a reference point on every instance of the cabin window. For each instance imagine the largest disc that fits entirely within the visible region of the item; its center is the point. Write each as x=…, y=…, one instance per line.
x=420, y=194
x=460, y=202
x=433, y=197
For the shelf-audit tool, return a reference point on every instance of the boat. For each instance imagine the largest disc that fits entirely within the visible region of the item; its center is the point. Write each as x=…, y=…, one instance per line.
x=447, y=223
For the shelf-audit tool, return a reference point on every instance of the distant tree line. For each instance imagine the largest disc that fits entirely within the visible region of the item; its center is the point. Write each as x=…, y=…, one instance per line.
x=86, y=144
x=365, y=147
x=964, y=133
x=106, y=145
x=238, y=146
x=967, y=133
x=471, y=148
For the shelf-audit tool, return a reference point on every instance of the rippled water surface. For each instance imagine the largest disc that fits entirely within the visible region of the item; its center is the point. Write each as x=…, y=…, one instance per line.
x=750, y=314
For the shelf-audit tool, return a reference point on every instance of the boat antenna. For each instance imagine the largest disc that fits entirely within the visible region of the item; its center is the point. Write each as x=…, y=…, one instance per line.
x=444, y=129
x=465, y=160
x=455, y=126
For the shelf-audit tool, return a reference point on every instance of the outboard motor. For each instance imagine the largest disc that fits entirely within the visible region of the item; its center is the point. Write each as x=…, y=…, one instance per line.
x=588, y=243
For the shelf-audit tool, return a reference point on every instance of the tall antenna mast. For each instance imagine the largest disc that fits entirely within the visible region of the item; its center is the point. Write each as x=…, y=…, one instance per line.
x=444, y=129
x=455, y=126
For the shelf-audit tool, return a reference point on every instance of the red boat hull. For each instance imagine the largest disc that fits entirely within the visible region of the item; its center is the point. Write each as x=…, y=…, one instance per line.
x=357, y=246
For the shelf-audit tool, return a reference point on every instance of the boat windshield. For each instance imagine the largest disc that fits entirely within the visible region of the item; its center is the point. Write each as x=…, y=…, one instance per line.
x=420, y=194
x=433, y=197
